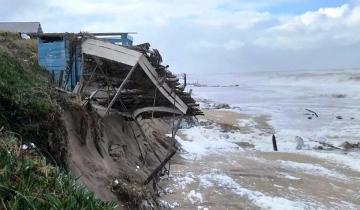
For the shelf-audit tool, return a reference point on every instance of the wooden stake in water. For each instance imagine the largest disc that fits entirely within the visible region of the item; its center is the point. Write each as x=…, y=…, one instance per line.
x=274, y=143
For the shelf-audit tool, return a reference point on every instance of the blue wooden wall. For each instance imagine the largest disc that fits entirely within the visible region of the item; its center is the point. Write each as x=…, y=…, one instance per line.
x=53, y=56
x=56, y=54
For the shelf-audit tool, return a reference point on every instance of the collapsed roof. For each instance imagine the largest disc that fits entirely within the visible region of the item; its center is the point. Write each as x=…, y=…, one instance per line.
x=132, y=81
x=126, y=79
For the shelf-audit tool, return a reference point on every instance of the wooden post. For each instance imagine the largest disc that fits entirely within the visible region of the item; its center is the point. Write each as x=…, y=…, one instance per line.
x=157, y=169
x=274, y=143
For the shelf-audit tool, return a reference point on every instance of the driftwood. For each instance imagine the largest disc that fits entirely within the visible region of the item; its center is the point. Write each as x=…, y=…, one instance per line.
x=329, y=145
x=312, y=112
x=157, y=169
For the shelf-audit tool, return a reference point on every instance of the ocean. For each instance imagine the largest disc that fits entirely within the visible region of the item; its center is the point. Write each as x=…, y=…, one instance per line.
x=285, y=96
x=235, y=167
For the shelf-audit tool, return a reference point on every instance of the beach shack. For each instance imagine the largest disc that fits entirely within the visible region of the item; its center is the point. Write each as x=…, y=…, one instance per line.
x=113, y=75
x=60, y=54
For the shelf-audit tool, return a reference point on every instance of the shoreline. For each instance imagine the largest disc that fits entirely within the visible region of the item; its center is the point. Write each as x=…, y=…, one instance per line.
x=239, y=175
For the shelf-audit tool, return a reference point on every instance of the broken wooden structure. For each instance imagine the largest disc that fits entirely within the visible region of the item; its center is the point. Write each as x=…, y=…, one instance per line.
x=116, y=76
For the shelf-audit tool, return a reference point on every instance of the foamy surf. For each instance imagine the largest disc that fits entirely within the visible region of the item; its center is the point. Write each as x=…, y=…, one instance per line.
x=228, y=159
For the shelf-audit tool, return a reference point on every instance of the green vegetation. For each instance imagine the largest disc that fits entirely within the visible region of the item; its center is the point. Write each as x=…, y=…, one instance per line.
x=30, y=114
x=28, y=107
x=28, y=182
x=21, y=87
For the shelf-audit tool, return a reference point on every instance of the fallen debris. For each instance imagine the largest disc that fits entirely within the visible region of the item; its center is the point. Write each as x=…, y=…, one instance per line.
x=327, y=146
x=154, y=174
x=348, y=146
x=339, y=95
x=245, y=145
x=221, y=106
x=313, y=113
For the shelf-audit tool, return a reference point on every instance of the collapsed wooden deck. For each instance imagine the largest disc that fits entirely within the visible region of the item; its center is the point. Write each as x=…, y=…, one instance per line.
x=132, y=81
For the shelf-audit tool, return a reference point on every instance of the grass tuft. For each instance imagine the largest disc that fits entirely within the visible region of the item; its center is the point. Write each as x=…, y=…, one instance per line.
x=28, y=182
x=28, y=106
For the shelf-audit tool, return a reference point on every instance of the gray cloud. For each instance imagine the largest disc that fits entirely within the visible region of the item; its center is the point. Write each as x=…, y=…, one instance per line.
x=214, y=35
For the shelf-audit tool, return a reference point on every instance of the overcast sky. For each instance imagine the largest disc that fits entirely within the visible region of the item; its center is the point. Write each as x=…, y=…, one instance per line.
x=215, y=35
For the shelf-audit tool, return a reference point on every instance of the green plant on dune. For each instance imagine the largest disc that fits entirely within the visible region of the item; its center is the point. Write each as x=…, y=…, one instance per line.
x=28, y=106
x=30, y=113
x=28, y=182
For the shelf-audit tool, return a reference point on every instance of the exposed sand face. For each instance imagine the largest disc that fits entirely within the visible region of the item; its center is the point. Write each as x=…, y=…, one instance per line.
x=120, y=156
x=250, y=179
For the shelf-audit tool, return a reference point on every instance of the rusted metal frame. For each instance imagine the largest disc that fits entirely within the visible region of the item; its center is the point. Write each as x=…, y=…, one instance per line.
x=121, y=87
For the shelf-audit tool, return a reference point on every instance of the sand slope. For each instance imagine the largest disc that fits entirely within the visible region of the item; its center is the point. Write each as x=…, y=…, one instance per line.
x=118, y=155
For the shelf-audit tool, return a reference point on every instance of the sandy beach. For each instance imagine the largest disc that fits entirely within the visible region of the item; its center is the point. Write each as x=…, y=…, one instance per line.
x=215, y=171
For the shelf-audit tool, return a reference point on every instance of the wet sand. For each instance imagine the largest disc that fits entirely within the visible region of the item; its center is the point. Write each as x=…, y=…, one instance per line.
x=250, y=179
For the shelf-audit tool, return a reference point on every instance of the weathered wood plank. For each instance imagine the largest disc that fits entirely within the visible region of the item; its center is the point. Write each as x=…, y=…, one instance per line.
x=156, y=109
x=131, y=57
x=110, y=51
x=121, y=87
x=164, y=88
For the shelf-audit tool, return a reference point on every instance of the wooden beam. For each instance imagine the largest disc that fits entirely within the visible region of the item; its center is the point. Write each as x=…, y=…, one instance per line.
x=112, y=33
x=110, y=51
x=131, y=57
x=164, y=88
x=156, y=109
x=102, y=111
x=158, y=168
x=120, y=88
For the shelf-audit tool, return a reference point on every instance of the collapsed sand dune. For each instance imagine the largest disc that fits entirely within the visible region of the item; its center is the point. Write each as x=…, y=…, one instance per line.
x=107, y=151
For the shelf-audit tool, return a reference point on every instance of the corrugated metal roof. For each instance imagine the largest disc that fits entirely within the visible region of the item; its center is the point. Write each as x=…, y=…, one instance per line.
x=24, y=27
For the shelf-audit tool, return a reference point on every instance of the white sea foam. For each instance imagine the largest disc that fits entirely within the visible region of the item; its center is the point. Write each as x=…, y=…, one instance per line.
x=195, y=197
x=202, y=141
x=349, y=160
x=284, y=96
x=287, y=176
x=312, y=169
x=258, y=198
x=183, y=181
